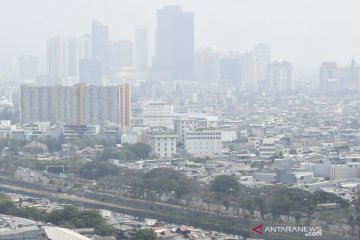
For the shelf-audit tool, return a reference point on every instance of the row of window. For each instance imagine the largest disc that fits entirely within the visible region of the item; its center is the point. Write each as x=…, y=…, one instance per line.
x=204, y=133
x=159, y=149
x=166, y=144
x=202, y=138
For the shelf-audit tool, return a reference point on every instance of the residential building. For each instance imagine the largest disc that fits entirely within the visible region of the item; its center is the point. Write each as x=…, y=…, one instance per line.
x=28, y=69
x=76, y=105
x=280, y=77
x=340, y=79
x=157, y=114
x=162, y=142
x=100, y=45
x=141, y=48
x=203, y=142
x=90, y=71
x=121, y=55
x=263, y=59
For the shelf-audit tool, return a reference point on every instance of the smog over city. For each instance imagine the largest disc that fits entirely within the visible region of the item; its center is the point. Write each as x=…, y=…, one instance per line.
x=169, y=119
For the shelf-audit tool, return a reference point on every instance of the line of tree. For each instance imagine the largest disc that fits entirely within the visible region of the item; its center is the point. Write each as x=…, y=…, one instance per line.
x=68, y=217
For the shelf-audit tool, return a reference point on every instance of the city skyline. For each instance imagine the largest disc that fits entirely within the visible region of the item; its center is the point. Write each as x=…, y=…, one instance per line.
x=296, y=32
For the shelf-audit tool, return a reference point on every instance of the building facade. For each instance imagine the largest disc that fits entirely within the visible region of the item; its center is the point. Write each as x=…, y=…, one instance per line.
x=203, y=142
x=159, y=115
x=76, y=105
x=175, y=42
x=162, y=142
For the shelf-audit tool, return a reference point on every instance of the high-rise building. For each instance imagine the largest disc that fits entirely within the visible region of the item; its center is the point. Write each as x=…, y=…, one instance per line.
x=141, y=48
x=263, y=59
x=100, y=45
x=76, y=105
x=230, y=74
x=63, y=56
x=90, y=71
x=206, y=66
x=249, y=71
x=327, y=76
x=175, y=42
x=28, y=68
x=344, y=79
x=280, y=77
x=85, y=46
x=121, y=54
x=57, y=61
x=73, y=57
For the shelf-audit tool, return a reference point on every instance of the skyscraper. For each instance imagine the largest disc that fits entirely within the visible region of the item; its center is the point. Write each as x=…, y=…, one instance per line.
x=28, y=68
x=90, y=71
x=280, y=77
x=100, y=45
x=121, y=54
x=175, y=42
x=73, y=57
x=141, y=48
x=263, y=58
x=249, y=72
x=230, y=72
x=85, y=49
x=206, y=66
x=57, y=61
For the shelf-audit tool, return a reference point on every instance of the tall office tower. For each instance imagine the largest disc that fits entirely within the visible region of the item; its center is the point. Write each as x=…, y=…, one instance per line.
x=57, y=61
x=85, y=49
x=344, y=79
x=73, y=57
x=175, y=42
x=121, y=54
x=206, y=66
x=100, y=45
x=76, y=105
x=280, y=77
x=249, y=70
x=141, y=48
x=230, y=74
x=263, y=58
x=28, y=68
x=90, y=71
x=328, y=76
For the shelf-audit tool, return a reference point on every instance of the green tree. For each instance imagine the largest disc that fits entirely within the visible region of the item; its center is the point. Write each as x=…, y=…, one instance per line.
x=98, y=170
x=165, y=180
x=145, y=234
x=225, y=184
x=140, y=150
x=292, y=151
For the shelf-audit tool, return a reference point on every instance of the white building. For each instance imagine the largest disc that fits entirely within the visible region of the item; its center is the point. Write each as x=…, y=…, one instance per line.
x=159, y=115
x=182, y=125
x=203, y=142
x=162, y=142
x=228, y=134
x=280, y=77
x=130, y=137
x=8, y=130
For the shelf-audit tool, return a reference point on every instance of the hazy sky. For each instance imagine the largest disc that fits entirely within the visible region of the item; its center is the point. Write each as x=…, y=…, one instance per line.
x=304, y=32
